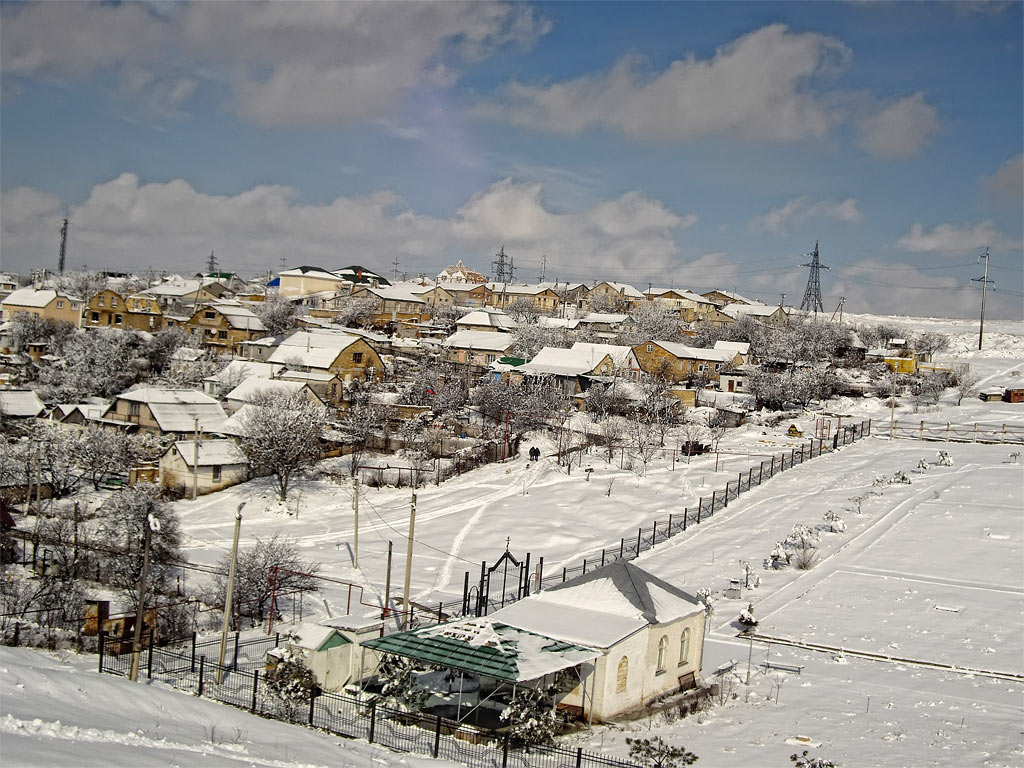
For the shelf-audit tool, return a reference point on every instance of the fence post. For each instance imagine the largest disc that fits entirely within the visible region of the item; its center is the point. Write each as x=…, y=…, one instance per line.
x=602, y=557
x=686, y=514
x=234, y=659
x=579, y=756
x=639, y=536
x=869, y=427
x=670, y=525
x=255, y=688
x=373, y=721
x=622, y=547
x=714, y=495
x=192, y=663
x=975, y=432
x=563, y=575
x=103, y=647
x=921, y=433
x=504, y=752
x=437, y=737
x=202, y=663
x=149, y=657
x=700, y=507
x=726, y=504
x=771, y=472
x=312, y=705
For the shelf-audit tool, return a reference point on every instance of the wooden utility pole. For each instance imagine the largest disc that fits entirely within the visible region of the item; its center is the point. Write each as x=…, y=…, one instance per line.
x=229, y=597
x=355, y=512
x=408, y=561
x=892, y=402
x=151, y=524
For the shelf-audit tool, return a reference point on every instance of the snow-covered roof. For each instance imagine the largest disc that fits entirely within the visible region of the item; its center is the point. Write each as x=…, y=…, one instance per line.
x=30, y=297
x=581, y=358
x=315, y=348
x=488, y=317
x=240, y=370
x=181, y=417
x=240, y=317
x=20, y=403
x=394, y=293
x=695, y=353
x=151, y=395
x=211, y=452
x=754, y=310
x=485, y=340
x=318, y=273
x=251, y=387
x=601, y=607
x=734, y=297
x=740, y=347
x=601, y=318
x=174, y=288
x=521, y=290
x=319, y=376
x=484, y=646
x=313, y=636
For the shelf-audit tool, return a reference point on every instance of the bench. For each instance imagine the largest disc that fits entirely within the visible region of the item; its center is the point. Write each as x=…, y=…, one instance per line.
x=797, y=668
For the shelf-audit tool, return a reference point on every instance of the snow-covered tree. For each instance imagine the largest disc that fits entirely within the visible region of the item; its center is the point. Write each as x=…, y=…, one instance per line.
x=398, y=684
x=102, y=362
x=255, y=570
x=964, y=382
x=929, y=342
x=531, y=338
x=523, y=310
x=82, y=284
x=614, y=430
x=531, y=718
x=123, y=519
x=355, y=312
x=59, y=450
x=277, y=314
x=650, y=321
x=27, y=328
x=291, y=683
x=281, y=435
x=655, y=753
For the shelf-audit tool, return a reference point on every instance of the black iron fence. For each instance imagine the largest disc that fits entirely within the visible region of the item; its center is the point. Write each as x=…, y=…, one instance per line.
x=184, y=663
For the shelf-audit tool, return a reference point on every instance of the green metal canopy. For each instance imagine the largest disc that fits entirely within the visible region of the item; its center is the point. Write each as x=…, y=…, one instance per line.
x=482, y=647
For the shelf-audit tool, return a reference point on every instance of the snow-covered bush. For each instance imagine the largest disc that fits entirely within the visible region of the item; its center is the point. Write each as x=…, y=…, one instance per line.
x=806, y=761
x=290, y=684
x=945, y=460
x=399, y=689
x=746, y=617
x=531, y=716
x=801, y=536
x=805, y=557
x=779, y=556
x=836, y=524
x=922, y=465
x=899, y=478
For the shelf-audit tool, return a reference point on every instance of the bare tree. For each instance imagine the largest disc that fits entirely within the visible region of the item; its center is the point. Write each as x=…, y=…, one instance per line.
x=281, y=435
x=277, y=314
x=614, y=429
x=965, y=382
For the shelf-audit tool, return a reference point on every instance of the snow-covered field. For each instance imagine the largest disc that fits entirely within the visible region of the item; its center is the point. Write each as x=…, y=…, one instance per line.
x=930, y=574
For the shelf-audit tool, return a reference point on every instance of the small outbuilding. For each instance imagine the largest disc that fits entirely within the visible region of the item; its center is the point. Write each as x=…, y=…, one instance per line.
x=221, y=464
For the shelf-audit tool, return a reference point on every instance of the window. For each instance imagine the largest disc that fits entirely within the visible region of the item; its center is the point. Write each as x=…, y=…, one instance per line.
x=222, y=334
x=216, y=473
x=701, y=368
x=718, y=366
x=133, y=409
x=209, y=314
x=117, y=319
x=650, y=347
x=99, y=301
x=357, y=358
x=662, y=655
x=95, y=317
x=60, y=305
x=684, y=647
x=622, y=676
x=113, y=303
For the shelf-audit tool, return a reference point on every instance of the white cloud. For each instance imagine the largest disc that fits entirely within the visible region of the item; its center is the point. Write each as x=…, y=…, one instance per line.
x=801, y=209
x=898, y=129
x=282, y=62
x=1008, y=180
x=130, y=225
x=757, y=85
x=949, y=238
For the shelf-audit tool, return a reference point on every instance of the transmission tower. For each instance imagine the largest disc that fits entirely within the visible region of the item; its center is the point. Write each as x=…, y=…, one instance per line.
x=503, y=267
x=63, y=246
x=211, y=264
x=812, y=294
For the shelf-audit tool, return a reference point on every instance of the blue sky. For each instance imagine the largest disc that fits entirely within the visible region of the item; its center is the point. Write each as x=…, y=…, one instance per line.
x=694, y=144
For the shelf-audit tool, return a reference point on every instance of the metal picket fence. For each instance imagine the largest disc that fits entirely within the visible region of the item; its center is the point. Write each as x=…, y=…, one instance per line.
x=183, y=663
x=706, y=507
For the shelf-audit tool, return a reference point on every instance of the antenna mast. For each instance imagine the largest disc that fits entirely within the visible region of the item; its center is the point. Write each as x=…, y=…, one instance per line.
x=63, y=246
x=503, y=266
x=812, y=294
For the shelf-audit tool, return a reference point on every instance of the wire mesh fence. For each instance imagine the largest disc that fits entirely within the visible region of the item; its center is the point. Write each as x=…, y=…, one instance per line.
x=948, y=432
x=183, y=663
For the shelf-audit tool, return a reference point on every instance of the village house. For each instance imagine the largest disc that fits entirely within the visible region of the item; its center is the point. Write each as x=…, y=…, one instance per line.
x=460, y=273
x=604, y=324
x=723, y=298
x=617, y=639
x=741, y=348
x=344, y=355
x=224, y=325
x=715, y=317
x=165, y=412
x=109, y=309
x=678, y=362
x=619, y=295
x=477, y=349
x=237, y=371
x=305, y=280
x=393, y=305
x=175, y=291
x=253, y=389
x=486, y=319
x=20, y=404
x=328, y=387
x=569, y=294
x=689, y=305
x=211, y=464
x=572, y=368
x=47, y=303
x=503, y=295
x=775, y=316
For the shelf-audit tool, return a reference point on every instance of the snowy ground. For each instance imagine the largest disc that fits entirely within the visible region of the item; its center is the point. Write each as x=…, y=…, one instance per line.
x=57, y=711
x=953, y=538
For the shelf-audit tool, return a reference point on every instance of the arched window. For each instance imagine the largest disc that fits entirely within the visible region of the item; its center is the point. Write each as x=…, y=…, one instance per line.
x=684, y=647
x=620, y=680
x=662, y=654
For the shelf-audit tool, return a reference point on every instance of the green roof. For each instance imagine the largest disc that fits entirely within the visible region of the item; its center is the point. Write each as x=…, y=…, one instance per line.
x=482, y=647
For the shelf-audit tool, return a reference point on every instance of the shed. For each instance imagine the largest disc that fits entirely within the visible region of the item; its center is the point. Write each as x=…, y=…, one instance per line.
x=221, y=464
